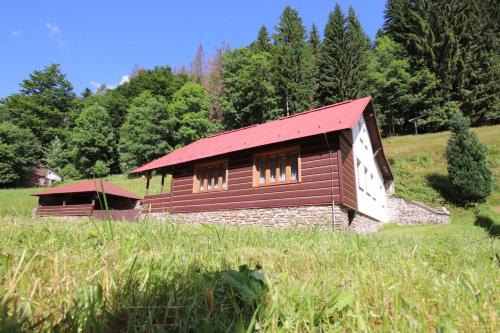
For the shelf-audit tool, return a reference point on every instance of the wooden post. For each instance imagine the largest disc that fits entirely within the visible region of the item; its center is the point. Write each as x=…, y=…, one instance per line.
x=148, y=177
x=162, y=180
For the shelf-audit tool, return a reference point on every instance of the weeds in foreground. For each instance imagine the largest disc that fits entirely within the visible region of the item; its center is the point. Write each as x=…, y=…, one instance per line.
x=60, y=276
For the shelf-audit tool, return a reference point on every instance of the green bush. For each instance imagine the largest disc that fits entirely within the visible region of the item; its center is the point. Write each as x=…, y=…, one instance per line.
x=468, y=172
x=70, y=172
x=100, y=169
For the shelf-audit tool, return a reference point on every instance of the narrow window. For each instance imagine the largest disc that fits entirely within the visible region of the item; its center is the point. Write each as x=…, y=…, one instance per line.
x=294, y=166
x=202, y=180
x=262, y=171
x=272, y=170
x=210, y=179
x=366, y=181
x=216, y=177
x=223, y=173
x=282, y=168
x=360, y=174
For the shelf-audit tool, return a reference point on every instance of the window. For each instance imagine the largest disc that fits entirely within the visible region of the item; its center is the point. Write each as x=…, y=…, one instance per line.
x=366, y=181
x=210, y=177
x=360, y=174
x=277, y=167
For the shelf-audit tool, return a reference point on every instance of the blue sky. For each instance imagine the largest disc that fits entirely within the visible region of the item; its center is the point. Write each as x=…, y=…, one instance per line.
x=100, y=41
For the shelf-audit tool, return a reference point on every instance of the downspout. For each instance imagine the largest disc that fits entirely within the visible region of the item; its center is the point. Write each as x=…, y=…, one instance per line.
x=331, y=179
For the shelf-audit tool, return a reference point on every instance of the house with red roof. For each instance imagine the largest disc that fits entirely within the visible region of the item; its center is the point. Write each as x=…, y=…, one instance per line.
x=323, y=167
x=98, y=198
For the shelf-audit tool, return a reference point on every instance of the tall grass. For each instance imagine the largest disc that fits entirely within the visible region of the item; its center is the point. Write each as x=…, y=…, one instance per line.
x=161, y=277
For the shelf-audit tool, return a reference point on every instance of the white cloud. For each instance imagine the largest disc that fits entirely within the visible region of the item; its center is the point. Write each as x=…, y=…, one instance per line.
x=124, y=79
x=95, y=84
x=16, y=33
x=55, y=35
x=53, y=29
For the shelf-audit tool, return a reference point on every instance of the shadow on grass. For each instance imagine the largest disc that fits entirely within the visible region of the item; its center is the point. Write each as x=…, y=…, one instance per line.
x=488, y=224
x=196, y=301
x=440, y=183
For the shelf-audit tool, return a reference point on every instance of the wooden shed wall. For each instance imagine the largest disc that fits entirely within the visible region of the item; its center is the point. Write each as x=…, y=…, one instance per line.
x=347, y=173
x=319, y=181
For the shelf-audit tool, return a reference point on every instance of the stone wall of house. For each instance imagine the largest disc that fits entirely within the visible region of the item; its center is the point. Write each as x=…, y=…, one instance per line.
x=281, y=217
x=404, y=211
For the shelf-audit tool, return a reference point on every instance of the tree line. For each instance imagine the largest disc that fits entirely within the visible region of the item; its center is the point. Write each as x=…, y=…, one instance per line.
x=431, y=59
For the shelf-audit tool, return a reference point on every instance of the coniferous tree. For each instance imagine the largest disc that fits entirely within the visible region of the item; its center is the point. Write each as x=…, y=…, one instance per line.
x=197, y=67
x=92, y=139
x=213, y=83
x=315, y=47
x=344, y=59
x=292, y=63
x=56, y=155
x=332, y=64
x=263, y=42
x=458, y=42
x=468, y=172
x=358, y=56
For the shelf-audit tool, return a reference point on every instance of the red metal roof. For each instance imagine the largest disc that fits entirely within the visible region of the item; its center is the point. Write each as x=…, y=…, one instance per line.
x=326, y=119
x=89, y=186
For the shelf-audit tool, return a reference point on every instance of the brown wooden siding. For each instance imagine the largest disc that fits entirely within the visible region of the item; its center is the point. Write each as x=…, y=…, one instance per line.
x=347, y=173
x=319, y=182
x=68, y=210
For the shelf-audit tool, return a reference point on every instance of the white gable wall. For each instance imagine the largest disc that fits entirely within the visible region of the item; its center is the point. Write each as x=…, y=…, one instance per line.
x=372, y=199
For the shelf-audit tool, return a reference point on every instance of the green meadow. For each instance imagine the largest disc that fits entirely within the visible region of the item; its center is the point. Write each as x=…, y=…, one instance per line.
x=94, y=276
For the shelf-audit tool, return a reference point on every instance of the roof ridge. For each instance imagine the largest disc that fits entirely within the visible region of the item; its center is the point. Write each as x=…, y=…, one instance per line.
x=284, y=117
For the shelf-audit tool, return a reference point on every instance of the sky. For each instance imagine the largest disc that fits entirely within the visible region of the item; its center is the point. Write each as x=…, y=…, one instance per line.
x=98, y=42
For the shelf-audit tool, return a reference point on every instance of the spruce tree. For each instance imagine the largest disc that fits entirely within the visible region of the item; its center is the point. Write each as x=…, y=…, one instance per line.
x=315, y=48
x=263, y=42
x=468, y=172
x=292, y=63
x=358, y=54
x=92, y=139
x=344, y=58
x=314, y=41
x=332, y=65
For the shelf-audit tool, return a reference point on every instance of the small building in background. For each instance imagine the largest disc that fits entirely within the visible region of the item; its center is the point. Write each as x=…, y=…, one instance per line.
x=97, y=198
x=41, y=175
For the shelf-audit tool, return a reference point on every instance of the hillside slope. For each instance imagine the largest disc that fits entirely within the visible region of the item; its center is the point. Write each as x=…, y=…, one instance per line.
x=420, y=169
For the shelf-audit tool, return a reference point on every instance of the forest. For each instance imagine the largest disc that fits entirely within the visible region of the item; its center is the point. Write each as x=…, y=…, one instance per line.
x=430, y=59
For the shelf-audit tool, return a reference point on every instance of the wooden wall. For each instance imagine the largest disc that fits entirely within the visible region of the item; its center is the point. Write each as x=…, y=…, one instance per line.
x=347, y=173
x=319, y=182
x=68, y=210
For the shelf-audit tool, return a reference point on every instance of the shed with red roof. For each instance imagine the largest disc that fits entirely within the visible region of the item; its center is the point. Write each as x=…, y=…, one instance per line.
x=323, y=166
x=87, y=198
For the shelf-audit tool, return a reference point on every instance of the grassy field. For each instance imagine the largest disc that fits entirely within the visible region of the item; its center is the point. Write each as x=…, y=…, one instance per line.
x=160, y=277
x=93, y=276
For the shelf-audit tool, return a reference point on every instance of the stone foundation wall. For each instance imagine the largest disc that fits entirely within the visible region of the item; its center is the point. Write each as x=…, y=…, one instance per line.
x=282, y=217
x=405, y=211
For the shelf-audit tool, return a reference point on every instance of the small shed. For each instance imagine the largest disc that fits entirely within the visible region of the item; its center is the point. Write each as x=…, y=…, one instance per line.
x=88, y=198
